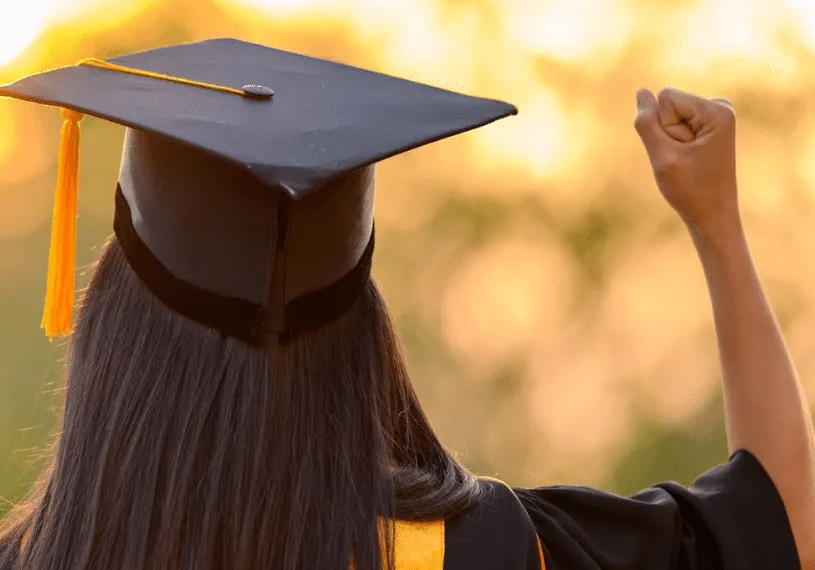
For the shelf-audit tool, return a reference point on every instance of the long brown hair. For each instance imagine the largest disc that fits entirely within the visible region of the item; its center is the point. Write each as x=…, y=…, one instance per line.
x=183, y=448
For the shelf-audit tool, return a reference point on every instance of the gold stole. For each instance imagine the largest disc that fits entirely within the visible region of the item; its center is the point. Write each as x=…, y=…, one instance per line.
x=420, y=546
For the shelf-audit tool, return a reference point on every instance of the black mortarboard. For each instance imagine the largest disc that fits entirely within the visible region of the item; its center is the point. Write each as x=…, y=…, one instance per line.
x=244, y=201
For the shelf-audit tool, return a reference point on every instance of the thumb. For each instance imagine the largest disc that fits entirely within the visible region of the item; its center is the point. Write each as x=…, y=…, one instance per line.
x=647, y=122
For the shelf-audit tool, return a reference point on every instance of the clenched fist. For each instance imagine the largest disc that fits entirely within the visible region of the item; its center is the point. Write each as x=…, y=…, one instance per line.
x=691, y=142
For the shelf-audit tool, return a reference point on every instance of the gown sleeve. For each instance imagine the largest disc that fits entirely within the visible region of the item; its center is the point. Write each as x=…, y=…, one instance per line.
x=731, y=518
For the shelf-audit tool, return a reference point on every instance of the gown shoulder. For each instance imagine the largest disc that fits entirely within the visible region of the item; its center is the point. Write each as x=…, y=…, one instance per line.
x=730, y=518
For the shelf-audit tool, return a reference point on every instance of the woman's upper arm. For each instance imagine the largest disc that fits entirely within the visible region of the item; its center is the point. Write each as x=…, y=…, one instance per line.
x=731, y=518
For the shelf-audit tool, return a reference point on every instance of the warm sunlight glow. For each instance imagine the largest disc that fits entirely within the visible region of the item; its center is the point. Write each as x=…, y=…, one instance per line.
x=19, y=26
x=804, y=11
x=500, y=296
x=737, y=40
x=543, y=141
x=96, y=14
x=7, y=120
x=282, y=6
x=805, y=162
x=292, y=6
x=562, y=30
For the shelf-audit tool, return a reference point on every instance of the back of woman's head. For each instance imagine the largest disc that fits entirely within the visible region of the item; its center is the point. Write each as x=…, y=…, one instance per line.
x=185, y=448
x=278, y=440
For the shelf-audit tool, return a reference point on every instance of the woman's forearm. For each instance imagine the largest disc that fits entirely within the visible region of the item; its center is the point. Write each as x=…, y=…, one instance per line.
x=765, y=406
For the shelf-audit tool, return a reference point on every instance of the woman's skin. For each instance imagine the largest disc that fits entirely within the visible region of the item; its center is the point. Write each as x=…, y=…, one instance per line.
x=691, y=145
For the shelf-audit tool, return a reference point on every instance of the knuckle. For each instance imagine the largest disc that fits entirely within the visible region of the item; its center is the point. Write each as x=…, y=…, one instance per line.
x=669, y=92
x=668, y=165
x=727, y=113
x=665, y=93
x=722, y=115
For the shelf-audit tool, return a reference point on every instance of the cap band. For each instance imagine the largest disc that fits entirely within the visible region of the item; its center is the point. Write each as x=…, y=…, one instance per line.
x=232, y=316
x=313, y=310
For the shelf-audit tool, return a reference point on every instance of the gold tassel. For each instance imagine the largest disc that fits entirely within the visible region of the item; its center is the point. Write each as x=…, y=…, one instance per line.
x=59, y=294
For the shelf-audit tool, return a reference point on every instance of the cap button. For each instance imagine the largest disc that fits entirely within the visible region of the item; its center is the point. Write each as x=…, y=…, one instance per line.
x=257, y=91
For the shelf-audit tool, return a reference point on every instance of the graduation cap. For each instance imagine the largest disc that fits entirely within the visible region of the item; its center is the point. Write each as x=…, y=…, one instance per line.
x=245, y=195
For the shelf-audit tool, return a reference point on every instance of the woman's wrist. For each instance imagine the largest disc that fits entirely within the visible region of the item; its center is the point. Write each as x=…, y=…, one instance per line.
x=717, y=234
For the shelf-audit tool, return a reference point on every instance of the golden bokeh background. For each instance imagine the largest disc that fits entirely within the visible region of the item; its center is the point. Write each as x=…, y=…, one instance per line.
x=554, y=313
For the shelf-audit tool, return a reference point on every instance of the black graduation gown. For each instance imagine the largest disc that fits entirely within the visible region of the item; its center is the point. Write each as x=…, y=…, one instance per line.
x=731, y=518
